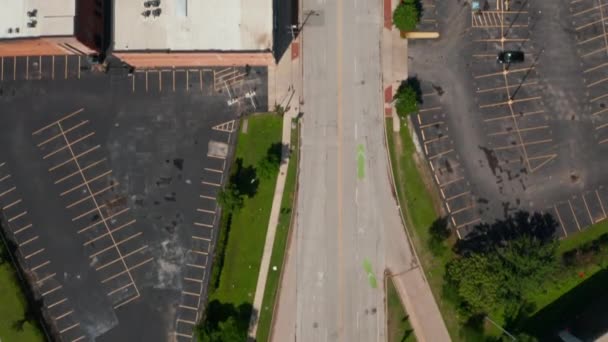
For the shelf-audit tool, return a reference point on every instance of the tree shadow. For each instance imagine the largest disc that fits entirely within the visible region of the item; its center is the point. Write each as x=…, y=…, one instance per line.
x=276, y=152
x=217, y=312
x=486, y=237
x=245, y=179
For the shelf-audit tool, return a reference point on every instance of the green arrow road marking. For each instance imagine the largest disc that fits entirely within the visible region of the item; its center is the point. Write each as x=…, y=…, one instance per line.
x=360, y=161
x=367, y=266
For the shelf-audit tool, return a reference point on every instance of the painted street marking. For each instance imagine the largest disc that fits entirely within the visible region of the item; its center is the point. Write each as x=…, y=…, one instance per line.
x=120, y=289
x=28, y=241
x=125, y=256
x=7, y=191
x=66, y=131
x=574, y=215
x=206, y=211
x=127, y=271
x=89, y=181
x=102, y=221
x=360, y=161
x=66, y=146
x=91, y=196
x=63, y=315
x=203, y=225
x=456, y=196
x=17, y=216
x=197, y=266
x=11, y=204
x=186, y=321
x=52, y=290
x=74, y=158
x=193, y=280
x=79, y=339
x=71, y=326
x=519, y=130
x=78, y=172
x=213, y=170
x=587, y=207
x=109, y=232
x=115, y=245
x=367, y=266
x=200, y=252
x=5, y=178
x=183, y=335
x=57, y=303
x=468, y=223
x=208, y=197
x=191, y=294
x=127, y=301
x=212, y=184
x=601, y=204
x=35, y=253
x=41, y=265
x=22, y=229
x=200, y=238
x=58, y=121
x=188, y=307
x=95, y=209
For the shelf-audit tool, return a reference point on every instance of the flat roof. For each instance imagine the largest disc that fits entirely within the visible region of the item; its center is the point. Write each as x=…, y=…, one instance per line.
x=47, y=18
x=193, y=25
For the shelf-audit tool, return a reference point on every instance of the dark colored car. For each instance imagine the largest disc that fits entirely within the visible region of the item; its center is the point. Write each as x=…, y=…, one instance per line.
x=508, y=57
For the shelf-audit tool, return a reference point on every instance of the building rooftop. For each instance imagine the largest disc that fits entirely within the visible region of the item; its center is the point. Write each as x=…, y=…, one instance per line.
x=36, y=18
x=193, y=25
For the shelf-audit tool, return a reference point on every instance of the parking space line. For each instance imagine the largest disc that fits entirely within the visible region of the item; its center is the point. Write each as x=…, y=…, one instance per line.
x=201, y=238
x=601, y=126
x=429, y=109
x=468, y=223
x=28, y=241
x=598, y=98
x=200, y=79
x=66, y=146
x=456, y=196
x=79, y=339
x=5, y=178
x=66, y=131
x=160, y=81
x=146, y=81
x=125, y=256
x=27, y=67
x=127, y=271
x=94, y=209
x=100, y=221
x=573, y=214
x=35, y=253
x=561, y=223
x=173, y=72
x=587, y=25
x=91, y=196
x=188, y=307
x=197, y=266
x=83, y=169
x=51, y=290
x=440, y=154
x=109, y=232
x=133, y=83
x=462, y=209
x=595, y=67
x=520, y=130
x=588, y=10
x=11, y=204
x=597, y=82
x=67, y=116
x=208, y=197
x=1, y=68
x=506, y=87
x=449, y=182
x=213, y=170
x=212, y=184
x=216, y=157
x=494, y=40
x=17, y=216
x=507, y=147
x=594, y=52
x=600, y=112
x=498, y=104
x=14, y=68
x=511, y=116
x=69, y=328
x=199, y=252
x=52, y=67
x=128, y=300
x=78, y=66
x=191, y=294
x=186, y=321
x=7, y=191
x=119, y=289
x=587, y=207
x=183, y=335
x=504, y=72
x=426, y=142
x=89, y=181
x=39, y=266
x=46, y=278
x=193, y=280
x=431, y=124
x=203, y=225
x=63, y=315
x=601, y=204
x=57, y=303
x=66, y=67
x=206, y=211
x=74, y=158
x=22, y=229
x=115, y=245
x=603, y=141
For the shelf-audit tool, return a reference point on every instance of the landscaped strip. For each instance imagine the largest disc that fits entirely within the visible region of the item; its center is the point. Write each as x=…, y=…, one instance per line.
x=398, y=325
x=420, y=213
x=15, y=323
x=230, y=302
x=280, y=242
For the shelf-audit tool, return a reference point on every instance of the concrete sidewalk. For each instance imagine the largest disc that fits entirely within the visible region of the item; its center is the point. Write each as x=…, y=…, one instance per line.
x=283, y=90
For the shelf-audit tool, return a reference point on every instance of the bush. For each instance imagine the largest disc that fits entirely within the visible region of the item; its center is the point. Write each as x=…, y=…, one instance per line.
x=406, y=100
x=407, y=15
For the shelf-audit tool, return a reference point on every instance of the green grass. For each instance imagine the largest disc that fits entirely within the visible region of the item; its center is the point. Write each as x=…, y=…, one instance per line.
x=13, y=306
x=398, y=325
x=247, y=235
x=280, y=243
x=417, y=205
x=584, y=236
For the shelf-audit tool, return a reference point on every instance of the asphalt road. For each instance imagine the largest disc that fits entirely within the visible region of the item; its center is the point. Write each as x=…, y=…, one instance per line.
x=346, y=212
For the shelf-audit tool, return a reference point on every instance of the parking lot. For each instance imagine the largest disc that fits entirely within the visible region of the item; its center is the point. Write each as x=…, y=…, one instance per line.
x=108, y=185
x=525, y=135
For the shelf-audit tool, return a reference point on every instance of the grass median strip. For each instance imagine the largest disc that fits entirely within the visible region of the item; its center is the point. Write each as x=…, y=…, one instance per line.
x=399, y=328
x=231, y=297
x=280, y=243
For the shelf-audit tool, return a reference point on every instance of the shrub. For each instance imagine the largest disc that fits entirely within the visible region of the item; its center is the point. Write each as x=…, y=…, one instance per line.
x=407, y=15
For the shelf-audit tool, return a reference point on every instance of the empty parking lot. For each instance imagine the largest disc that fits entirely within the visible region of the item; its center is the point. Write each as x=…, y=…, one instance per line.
x=108, y=186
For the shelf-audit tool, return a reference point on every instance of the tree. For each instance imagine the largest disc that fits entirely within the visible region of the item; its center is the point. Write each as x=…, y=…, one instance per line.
x=477, y=282
x=439, y=232
x=226, y=331
x=230, y=198
x=268, y=166
x=407, y=15
x=406, y=100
